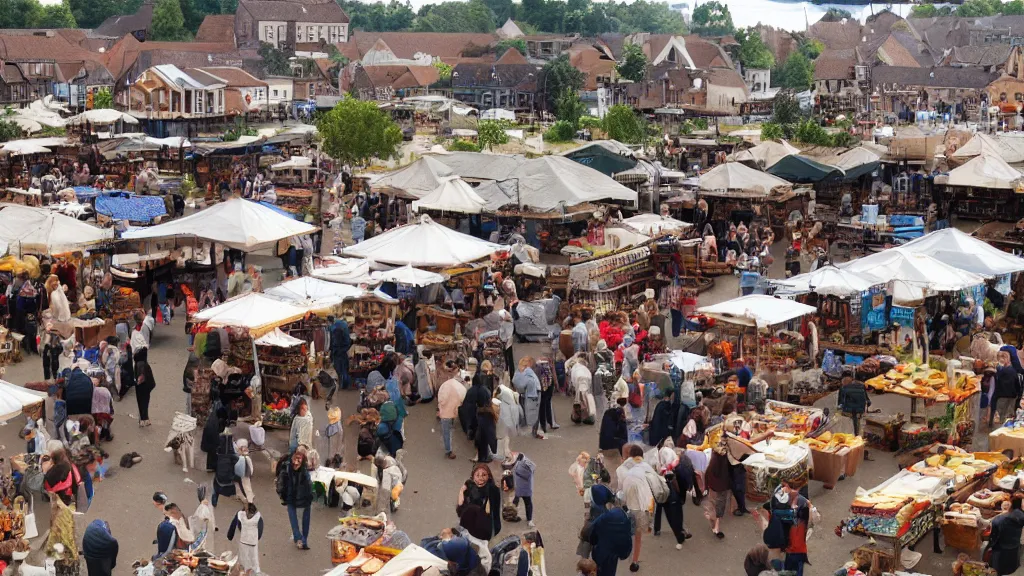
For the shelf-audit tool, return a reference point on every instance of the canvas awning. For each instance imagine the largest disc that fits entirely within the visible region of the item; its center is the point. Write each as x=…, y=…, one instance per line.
x=316, y=295
x=1010, y=149
x=734, y=176
x=101, y=116
x=687, y=361
x=857, y=162
x=279, y=339
x=409, y=276
x=654, y=224
x=453, y=195
x=827, y=281
x=237, y=223
x=415, y=180
x=353, y=271
x=41, y=231
x=424, y=244
x=766, y=154
x=914, y=268
x=254, y=311
x=294, y=163
x=757, y=310
x=546, y=183
x=985, y=171
x=15, y=399
x=965, y=252
x=802, y=169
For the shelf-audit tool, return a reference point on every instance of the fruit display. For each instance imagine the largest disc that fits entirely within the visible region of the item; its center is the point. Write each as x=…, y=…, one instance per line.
x=927, y=383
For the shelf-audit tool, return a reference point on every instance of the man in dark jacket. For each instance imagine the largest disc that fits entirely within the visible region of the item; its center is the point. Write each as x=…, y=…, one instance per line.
x=1004, y=397
x=78, y=393
x=853, y=399
x=341, y=341
x=662, y=421
x=295, y=488
x=1005, y=540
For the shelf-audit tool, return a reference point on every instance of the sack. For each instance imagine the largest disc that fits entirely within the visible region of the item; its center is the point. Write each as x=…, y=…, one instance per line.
x=659, y=487
x=577, y=413
x=636, y=399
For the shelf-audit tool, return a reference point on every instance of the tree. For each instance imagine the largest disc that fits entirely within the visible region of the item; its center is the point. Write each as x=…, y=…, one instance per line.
x=836, y=15
x=275, y=61
x=810, y=132
x=168, y=21
x=228, y=6
x=57, y=16
x=354, y=131
x=1013, y=8
x=623, y=124
x=453, y=16
x=103, y=99
x=560, y=131
x=460, y=145
x=929, y=11
x=558, y=77
x=510, y=43
x=570, y=108
x=444, y=71
x=501, y=9
x=191, y=14
x=645, y=16
x=377, y=16
x=9, y=131
x=786, y=109
x=812, y=48
x=91, y=13
x=712, y=19
x=797, y=72
x=633, y=66
x=844, y=140
x=976, y=8
x=490, y=133
x=753, y=52
x=771, y=131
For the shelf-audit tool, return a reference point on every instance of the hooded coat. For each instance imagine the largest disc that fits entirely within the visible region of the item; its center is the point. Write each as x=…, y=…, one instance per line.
x=611, y=535
x=224, y=475
x=100, y=549
x=78, y=393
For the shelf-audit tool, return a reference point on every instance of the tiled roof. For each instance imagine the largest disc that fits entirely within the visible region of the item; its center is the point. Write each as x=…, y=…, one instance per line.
x=522, y=76
x=401, y=77
x=407, y=44
x=512, y=56
x=726, y=77
x=706, y=54
x=894, y=53
x=837, y=35
x=940, y=77
x=234, y=77
x=204, y=78
x=980, y=55
x=592, y=62
x=28, y=47
x=217, y=28
x=118, y=26
x=325, y=12
x=834, y=65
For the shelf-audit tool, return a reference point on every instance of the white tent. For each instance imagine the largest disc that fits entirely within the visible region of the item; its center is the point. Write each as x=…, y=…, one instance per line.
x=757, y=310
x=736, y=176
x=410, y=276
x=24, y=148
x=33, y=145
x=854, y=157
x=294, y=163
x=237, y=223
x=37, y=230
x=352, y=271
x=415, y=180
x=687, y=361
x=766, y=154
x=985, y=171
x=101, y=116
x=14, y=399
x=425, y=243
x=551, y=182
x=965, y=252
x=257, y=312
x=1009, y=149
x=278, y=338
x=653, y=224
x=28, y=125
x=498, y=114
x=913, y=268
x=453, y=195
x=313, y=293
x=827, y=281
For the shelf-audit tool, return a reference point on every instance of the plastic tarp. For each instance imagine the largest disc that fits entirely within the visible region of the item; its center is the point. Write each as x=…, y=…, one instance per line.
x=857, y=162
x=409, y=276
x=453, y=195
x=766, y=154
x=37, y=230
x=802, y=169
x=548, y=182
x=425, y=243
x=313, y=293
x=1009, y=149
x=688, y=361
x=14, y=399
x=257, y=312
x=736, y=176
x=827, y=281
x=353, y=271
x=279, y=339
x=985, y=171
x=914, y=268
x=294, y=163
x=965, y=252
x=757, y=310
x=653, y=224
x=237, y=223
x=134, y=209
x=101, y=116
x=417, y=179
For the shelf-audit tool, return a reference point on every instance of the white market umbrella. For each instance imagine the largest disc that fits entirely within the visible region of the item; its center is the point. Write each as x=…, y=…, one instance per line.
x=257, y=312
x=293, y=163
x=985, y=171
x=653, y=224
x=24, y=148
x=14, y=399
x=101, y=116
x=415, y=180
x=279, y=339
x=766, y=154
x=424, y=244
x=913, y=268
x=453, y=195
x=737, y=176
x=35, y=230
x=313, y=293
x=409, y=276
x=828, y=281
x=757, y=310
x=353, y=271
x=237, y=223
x=965, y=252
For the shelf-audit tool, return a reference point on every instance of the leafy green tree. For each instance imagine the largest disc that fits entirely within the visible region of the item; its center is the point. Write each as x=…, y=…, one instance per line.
x=836, y=15
x=1013, y=8
x=622, y=124
x=560, y=131
x=168, y=21
x=976, y=8
x=228, y=6
x=57, y=16
x=103, y=99
x=453, y=16
x=812, y=48
x=560, y=76
x=9, y=131
x=771, y=131
x=92, y=13
x=356, y=131
x=797, y=72
x=810, y=132
x=460, y=145
x=844, y=140
x=570, y=108
x=377, y=16
x=645, y=16
x=275, y=61
x=510, y=43
x=191, y=14
x=591, y=123
x=712, y=19
x=501, y=9
x=20, y=13
x=786, y=109
x=444, y=71
x=753, y=52
x=491, y=133
x=633, y=66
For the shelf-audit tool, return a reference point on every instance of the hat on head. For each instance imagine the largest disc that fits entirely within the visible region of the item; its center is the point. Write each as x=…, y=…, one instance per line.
x=389, y=348
x=649, y=293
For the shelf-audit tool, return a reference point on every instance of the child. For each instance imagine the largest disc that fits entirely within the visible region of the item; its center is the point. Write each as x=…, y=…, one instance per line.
x=249, y=524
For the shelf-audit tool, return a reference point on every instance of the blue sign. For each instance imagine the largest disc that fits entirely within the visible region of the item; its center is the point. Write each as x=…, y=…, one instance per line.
x=872, y=314
x=902, y=315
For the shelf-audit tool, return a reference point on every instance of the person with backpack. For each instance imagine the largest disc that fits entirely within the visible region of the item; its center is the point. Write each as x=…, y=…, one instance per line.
x=678, y=479
x=295, y=488
x=785, y=525
x=224, y=475
x=853, y=399
x=610, y=533
x=640, y=487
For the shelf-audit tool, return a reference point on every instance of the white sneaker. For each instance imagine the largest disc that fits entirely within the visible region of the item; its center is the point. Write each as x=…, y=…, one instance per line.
x=679, y=546
x=531, y=524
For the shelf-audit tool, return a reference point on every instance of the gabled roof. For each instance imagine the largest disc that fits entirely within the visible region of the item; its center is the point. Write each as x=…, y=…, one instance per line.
x=834, y=65
x=308, y=11
x=726, y=77
x=234, y=77
x=893, y=53
x=400, y=77
x=707, y=54
x=118, y=26
x=512, y=56
x=193, y=79
x=217, y=28
x=408, y=44
x=509, y=30
x=522, y=76
x=842, y=35
x=591, y=62
x=986, y=56
x=940, y=77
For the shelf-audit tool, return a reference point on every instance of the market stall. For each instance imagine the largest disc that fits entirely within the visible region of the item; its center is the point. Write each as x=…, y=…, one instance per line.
x=282, y=364
x=607, y=282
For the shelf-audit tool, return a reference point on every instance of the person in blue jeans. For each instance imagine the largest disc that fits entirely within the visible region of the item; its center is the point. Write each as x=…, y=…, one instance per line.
x=296, y=491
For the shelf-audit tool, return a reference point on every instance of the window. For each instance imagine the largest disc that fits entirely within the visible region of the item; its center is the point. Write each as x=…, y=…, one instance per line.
x=310, y=31
x=268, y=31
x=320, y=34
x=220, y=99
x=312, y=89
x=298, y=34
x=334, y=34
x=284, y=94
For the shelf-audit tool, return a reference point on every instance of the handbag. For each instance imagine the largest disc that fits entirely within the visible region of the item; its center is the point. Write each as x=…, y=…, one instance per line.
x=636, y=400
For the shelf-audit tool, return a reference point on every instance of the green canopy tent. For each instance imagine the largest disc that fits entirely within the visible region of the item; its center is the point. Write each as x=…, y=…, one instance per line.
x=803, y=170
x=857, y=162
x=608, y=157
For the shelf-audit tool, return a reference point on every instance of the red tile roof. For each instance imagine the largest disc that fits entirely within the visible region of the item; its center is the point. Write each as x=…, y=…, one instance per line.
x=217, y=28
x=407, y=44
x=321, y=12
x=234, y=77
x=401, y=77
x=837, y=35
x=834, y=65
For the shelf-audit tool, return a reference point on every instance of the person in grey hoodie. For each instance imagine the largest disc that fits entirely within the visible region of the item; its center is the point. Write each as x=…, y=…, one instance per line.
x=523, y=471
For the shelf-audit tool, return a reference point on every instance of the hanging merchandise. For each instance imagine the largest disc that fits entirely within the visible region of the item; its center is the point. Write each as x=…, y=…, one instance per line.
x=873, y=313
